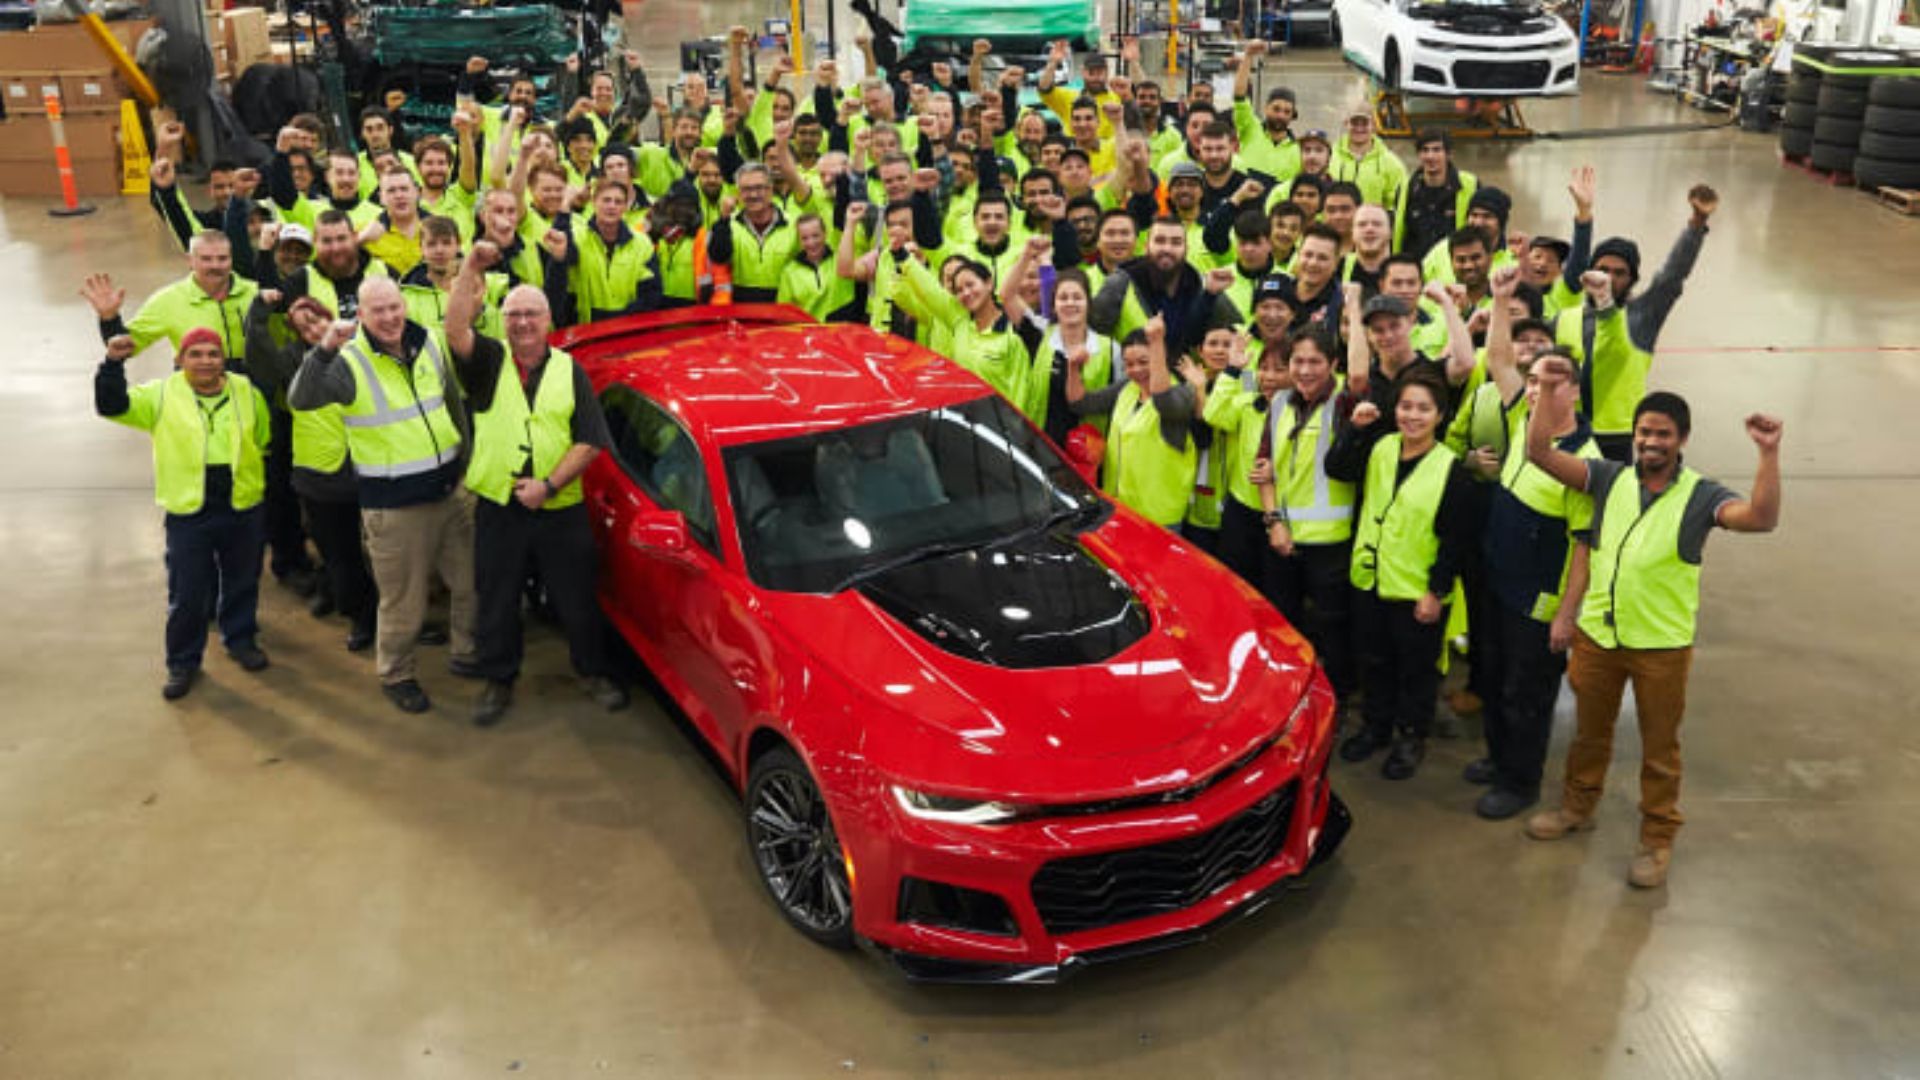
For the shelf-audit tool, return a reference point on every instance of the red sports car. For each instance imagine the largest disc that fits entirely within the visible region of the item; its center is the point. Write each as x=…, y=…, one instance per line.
x=981, y=718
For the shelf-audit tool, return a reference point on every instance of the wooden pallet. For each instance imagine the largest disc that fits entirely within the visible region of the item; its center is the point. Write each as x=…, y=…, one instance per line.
x=1830, y=177
x=1899, y=200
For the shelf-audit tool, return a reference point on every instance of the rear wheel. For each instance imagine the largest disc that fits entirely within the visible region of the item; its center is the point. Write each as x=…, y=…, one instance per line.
x=1390, y=73
x=796, y=849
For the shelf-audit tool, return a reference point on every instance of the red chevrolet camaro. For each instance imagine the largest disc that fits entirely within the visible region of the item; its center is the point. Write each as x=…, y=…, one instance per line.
x=981, y=718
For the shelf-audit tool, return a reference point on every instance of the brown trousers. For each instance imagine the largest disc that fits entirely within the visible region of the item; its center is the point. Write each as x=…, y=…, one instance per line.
x=405, y=548
x=1599, y=678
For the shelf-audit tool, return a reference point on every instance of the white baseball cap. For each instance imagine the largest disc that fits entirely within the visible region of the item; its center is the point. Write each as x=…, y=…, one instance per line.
x=292, y=231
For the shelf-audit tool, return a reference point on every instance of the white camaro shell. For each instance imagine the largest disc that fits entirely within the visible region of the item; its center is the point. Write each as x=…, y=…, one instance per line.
x=1479, y=49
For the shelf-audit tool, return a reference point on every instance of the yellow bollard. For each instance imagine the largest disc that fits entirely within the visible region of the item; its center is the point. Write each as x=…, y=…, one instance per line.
x=796, y=32
x=1173, y=37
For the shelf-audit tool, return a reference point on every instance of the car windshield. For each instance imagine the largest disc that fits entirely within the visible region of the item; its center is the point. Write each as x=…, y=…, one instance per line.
x=1438, y=7
x=818, y=513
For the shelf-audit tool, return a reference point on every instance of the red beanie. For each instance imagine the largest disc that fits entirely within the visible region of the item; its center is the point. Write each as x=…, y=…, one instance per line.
x=200, y=335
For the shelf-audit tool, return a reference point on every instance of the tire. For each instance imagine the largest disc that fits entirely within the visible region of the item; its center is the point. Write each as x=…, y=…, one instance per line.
x=1837, y=130
x=1832, y=157
x=1899, y=93
x=1892, y=120
x=1800, y=114
x=1390, y=67
x=1333, y=30
x=1842, y=100
x=1803, y=89
x=1796, y=142
x=1872, y=172
x=1902, y=148
x=796, y=850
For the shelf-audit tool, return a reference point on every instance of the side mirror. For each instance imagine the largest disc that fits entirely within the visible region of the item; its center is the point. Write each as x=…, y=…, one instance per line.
x=659, y=530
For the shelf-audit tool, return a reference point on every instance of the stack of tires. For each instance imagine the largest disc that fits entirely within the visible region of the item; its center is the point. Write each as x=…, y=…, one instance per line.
x=1803, y=107
x=1837, y=121
x=1889, y=154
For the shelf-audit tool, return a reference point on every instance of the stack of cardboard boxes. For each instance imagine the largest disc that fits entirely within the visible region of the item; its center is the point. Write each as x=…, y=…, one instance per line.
x=61, y=60
x=238, y=37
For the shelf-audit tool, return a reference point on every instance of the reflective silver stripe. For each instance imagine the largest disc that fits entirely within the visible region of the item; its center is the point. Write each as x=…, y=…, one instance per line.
x=353, y=352
x=395, y=416
x=1323, y=508
x=406, y=468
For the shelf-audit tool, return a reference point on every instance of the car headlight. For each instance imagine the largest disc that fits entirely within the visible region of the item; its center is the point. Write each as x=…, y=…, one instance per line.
x=947, y=808
x=1436, y=46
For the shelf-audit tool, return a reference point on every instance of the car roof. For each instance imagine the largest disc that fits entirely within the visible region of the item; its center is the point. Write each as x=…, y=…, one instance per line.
x=749, y=372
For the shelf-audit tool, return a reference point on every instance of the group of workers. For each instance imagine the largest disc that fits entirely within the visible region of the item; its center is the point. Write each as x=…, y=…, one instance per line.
x=1358, y=385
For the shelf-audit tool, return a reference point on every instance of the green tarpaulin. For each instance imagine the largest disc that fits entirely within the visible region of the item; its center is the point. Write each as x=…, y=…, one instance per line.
x=961, y=21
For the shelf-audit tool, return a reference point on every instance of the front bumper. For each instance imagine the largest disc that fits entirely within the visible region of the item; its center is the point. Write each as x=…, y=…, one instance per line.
x=1178, y=871
x=1454, y=65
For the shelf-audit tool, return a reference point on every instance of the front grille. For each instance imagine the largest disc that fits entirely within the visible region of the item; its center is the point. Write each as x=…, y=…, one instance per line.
x=1499, y=74
x=1087, y=892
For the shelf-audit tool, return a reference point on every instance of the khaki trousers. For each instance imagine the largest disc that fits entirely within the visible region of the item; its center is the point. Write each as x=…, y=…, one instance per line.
x=406, y=546
x=1599, y=678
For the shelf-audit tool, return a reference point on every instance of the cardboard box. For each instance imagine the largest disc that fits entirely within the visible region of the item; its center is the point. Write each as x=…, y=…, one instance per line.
x=29, y=139
x=40, y=179
x=65, y=46
x=90, y=92
x=25, y=92
x=245, y=32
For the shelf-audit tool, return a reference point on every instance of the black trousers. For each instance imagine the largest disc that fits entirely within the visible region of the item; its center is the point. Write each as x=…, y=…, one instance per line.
x=1615, y=447
x=213, y=566
x=1243, y=536
x=336, y=532
x=1310, y=587
x=1483, y=635
x=1207, y=540
x=1519, y=717
x=1399, y=665
x=284, y=532
x=508, y=542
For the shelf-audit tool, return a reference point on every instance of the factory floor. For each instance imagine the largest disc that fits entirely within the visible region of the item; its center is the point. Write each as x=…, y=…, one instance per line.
x=282, y=876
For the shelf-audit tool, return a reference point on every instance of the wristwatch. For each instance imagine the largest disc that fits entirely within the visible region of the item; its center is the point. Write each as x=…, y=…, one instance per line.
x=551, y=490
x=1274, y=517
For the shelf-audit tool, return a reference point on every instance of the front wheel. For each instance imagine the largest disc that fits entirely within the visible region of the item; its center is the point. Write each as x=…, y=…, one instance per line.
x=1333, y=30
x=796, y=849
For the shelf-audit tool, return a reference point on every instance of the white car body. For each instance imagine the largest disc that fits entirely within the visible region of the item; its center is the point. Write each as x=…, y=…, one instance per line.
x=1460, y=49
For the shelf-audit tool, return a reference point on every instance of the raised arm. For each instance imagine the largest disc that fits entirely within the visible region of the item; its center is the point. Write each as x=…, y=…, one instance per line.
x=977, y=67
x=1459, y=338
x=1551, y=414
x=1500, y=363
x=1034, y=252
x=1583, y=188
x=1359, y=353
x=1760, y=512
x=1159, y=380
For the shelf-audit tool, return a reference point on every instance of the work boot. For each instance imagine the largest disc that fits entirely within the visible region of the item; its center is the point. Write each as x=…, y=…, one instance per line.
x=606, y=693
x=1499, y=804
x=1480, y=771
x=1554, y=824
x=360, y=638
x=321, y=605
x=466, y=667
x=179, y=681
x=493, y=703
x=1361, y=745
x=1649, y=870
x=301, y=581
x=408, y=696
x=1405, y=757
x=249, y=657
x=433, y=634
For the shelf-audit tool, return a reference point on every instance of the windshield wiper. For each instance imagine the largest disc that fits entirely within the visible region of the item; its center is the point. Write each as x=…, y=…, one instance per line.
x=933, y=550
x=1059, y=517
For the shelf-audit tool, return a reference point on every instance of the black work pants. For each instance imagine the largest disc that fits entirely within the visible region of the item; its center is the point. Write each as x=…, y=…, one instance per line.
x=285, y=536
x=336, y=532
x=1243, y=537
x=213, y=566
x=508, y=542
x=1483, y=634
x=1311, y=588
x=1519, y=717
x=1399, y=665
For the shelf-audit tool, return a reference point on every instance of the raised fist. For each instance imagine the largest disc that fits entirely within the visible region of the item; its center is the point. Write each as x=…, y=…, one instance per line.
x=554, y=243
x=1220, y=279
x=1504, y=281
x=485, y=255
x=1256, y=47
x=1765, y=431
x=394, y=99
x=1156, y=327
x=1365, y=413
x=1704, y=201
x=1249, y=191
x=161, y=172
x=476, y=65
x=120, y=347
x=338, y=334
x=982, y=47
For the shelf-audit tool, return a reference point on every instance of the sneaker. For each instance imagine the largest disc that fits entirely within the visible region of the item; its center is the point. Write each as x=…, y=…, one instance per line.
x=321, y=605
x=1465, y=703
x=179, y=681
x=249, y=657
x=1481, y=771
x=1361, y=745
x=407, y=695
x=492, y=704
x=1649, y=870
x=606, y=693
x=1499, y=804
x=360, y=638
x=1554, y=824
x=1404, y=759
x=433, y=634
x=466, y=667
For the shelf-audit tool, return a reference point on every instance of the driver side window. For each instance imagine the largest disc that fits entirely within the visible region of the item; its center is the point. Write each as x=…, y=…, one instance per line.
x=659, y=455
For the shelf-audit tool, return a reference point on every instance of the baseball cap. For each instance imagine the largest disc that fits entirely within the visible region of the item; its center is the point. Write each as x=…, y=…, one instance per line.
x=1384, y=305
x=294, y=233
x=1275, y=287
x=1316, y=135
x=1186, y=170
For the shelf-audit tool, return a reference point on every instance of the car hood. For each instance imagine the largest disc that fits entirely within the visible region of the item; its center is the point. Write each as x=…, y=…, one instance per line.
x=1213, y=673
x=1485, y=20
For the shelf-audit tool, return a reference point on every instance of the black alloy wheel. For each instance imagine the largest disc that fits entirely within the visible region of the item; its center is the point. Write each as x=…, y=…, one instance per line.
x=797, y=850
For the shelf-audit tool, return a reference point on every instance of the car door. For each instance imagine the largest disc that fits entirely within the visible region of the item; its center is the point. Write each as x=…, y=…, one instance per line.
x=685, y=601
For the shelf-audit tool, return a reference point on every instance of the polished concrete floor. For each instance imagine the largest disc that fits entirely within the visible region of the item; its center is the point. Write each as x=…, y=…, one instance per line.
x=283, y=877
